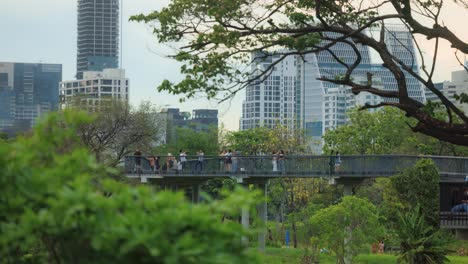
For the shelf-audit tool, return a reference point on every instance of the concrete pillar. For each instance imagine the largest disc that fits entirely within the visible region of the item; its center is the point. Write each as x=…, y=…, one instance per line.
x=262, y=216
x=245, y=223
x=348, y=189
x=195, y=193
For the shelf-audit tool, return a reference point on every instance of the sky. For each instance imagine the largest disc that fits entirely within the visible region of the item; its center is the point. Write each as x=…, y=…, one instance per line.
x=45, y=31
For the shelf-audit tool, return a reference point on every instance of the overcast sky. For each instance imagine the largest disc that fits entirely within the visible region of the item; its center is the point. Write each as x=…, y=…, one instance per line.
x=45, y=31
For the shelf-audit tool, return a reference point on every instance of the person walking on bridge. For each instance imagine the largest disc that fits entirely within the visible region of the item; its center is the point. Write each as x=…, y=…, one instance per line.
x=200, y=159
x=281, y=161
x=137, y=156
x=274, y=161
x=183, y=159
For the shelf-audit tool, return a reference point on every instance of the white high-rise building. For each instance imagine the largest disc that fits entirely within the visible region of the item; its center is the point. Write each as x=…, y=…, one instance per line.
x=110, y=84
x=340, y=100
x=457, y=86
x=270, y=100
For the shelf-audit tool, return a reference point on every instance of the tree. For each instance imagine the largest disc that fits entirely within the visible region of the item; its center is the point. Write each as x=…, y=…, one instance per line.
x=416, y=186
x=347, y=227
x=119, y=129
x=58, y=205
x=219, y=35
x=192, y=141
x=266, y=140
x=381, y=132
x=385, y=132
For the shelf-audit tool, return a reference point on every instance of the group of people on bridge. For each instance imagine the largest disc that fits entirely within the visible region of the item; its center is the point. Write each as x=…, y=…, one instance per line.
x=229, y=162
x=170, y=164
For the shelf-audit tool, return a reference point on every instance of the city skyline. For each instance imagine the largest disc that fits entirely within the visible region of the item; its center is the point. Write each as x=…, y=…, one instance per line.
x=40, y=33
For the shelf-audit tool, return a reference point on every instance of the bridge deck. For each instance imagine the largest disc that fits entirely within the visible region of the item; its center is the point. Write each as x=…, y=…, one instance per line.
x=306, y=166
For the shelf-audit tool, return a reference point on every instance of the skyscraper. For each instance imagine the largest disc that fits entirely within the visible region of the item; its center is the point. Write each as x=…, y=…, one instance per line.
x=271, y=101
x=98, y=35
x=27, y=91
x=313, y=99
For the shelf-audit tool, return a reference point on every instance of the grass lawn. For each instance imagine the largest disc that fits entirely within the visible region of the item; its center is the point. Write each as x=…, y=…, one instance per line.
x=291, y=255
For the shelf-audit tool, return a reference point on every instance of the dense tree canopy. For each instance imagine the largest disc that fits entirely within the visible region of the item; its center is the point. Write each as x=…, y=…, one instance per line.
x=385, y=132
x=191, y=141
x=266, y=140
x=217, y=37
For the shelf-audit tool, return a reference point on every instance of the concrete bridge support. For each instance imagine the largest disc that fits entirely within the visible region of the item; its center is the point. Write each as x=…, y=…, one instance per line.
x=349, y=184
x=196, y=193
x=262, y=216
x=261, y=212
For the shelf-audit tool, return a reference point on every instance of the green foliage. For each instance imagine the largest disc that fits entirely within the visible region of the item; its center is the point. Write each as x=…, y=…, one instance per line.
x=348, y=227
x=369, y=133
x=384, y=132
x=420, y=242
x=58, y=205
x=192, y=141
x=266, y=140
x=417, y=186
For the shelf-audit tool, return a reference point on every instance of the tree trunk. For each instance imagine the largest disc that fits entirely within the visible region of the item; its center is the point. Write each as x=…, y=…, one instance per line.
x=294, y=233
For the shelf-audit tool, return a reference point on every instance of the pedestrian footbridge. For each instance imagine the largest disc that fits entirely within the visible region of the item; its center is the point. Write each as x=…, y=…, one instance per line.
x=294, y=166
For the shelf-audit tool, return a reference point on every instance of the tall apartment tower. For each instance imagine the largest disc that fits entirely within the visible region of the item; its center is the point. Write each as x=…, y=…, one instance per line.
x=270, y=99
x=98, y=35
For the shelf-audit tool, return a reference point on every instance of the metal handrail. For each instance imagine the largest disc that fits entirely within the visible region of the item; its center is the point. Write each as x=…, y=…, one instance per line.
x=295, y=165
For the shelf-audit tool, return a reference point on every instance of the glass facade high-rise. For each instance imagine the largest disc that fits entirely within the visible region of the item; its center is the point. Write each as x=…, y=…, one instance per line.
x=309, y=106
x=27, y=91
x=98, y=35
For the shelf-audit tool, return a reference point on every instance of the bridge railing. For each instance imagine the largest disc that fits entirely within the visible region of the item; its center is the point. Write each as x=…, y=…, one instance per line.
x=293, y=165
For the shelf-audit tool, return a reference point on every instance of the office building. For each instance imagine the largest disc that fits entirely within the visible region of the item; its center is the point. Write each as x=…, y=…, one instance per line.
x=339, y=100
x=270, y=100
x=310, y=96
x=98, y=35
x=27, y=92
x=95, y=87
x=457, y=86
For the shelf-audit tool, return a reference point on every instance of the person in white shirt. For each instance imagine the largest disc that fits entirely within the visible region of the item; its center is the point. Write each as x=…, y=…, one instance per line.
x=183, y=159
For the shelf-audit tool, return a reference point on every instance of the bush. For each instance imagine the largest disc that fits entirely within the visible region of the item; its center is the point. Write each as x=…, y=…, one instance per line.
x=418, y=186
x=58, y=206
x=420, y=242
